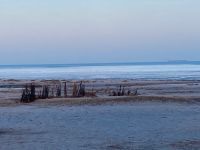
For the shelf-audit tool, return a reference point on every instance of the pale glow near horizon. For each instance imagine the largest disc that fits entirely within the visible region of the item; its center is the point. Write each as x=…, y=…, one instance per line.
x=63, y=31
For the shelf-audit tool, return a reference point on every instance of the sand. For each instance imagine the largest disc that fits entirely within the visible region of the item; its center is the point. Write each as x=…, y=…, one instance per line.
x=127, y=126
x=148, y=90
x=164, y=115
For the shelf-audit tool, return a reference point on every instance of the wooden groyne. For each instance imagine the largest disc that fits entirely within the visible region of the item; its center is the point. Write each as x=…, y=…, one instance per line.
x=32, y=92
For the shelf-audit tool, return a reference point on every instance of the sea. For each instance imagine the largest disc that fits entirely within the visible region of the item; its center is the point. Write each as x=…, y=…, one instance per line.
x=138, y=71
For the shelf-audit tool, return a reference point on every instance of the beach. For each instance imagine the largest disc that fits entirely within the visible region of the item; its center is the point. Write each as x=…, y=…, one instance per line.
x=164, y=114
x=125, y=126
x=148, y=90
x=99, y=75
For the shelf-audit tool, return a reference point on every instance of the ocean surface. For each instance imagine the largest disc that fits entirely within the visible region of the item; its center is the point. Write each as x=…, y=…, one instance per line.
x=148, y=71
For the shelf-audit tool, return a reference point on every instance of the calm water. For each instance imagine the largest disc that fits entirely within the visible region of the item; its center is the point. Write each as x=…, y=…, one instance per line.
x=102, y=71
x=137, y=126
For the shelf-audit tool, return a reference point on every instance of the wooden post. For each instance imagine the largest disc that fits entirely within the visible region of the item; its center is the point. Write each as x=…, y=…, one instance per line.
x=75, y=89
x=65, y=89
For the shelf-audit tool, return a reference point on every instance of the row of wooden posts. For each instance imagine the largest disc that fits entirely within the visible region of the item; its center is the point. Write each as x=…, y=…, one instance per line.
x=30, y=94
x=122, y=92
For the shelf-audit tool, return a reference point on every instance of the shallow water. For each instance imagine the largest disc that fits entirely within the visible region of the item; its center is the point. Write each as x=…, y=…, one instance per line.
x=138, y=126
x=104, y=71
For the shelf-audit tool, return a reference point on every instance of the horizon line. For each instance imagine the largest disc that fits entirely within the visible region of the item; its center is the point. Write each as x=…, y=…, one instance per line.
x=113, y=63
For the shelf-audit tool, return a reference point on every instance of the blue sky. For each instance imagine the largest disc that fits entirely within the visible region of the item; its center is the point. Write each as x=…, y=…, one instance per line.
x=63, y=31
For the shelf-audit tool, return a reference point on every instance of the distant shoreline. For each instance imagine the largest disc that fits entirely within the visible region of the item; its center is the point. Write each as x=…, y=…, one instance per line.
x=174, y=62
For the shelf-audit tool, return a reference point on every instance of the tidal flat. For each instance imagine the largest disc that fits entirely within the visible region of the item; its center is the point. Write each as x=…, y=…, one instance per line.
x=164, y=115
x=138, y=126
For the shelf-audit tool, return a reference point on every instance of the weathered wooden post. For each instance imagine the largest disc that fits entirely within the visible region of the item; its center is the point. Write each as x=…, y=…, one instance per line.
x=65, y=89
x=119, y=91
x=45, y=92
x=32, y=93
x=58, y=91
x=74, y=91
x=23, y=96
x=81, y=92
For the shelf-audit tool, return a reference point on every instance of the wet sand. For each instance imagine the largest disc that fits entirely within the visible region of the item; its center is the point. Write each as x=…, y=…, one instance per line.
x=138, y=126
x=148, y=90
x=165, y=115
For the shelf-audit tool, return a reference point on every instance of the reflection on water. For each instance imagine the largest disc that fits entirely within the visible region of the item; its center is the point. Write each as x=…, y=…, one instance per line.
x=127, y=126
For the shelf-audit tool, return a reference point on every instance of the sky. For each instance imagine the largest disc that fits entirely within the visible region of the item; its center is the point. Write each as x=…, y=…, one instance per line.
x=98, y=31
